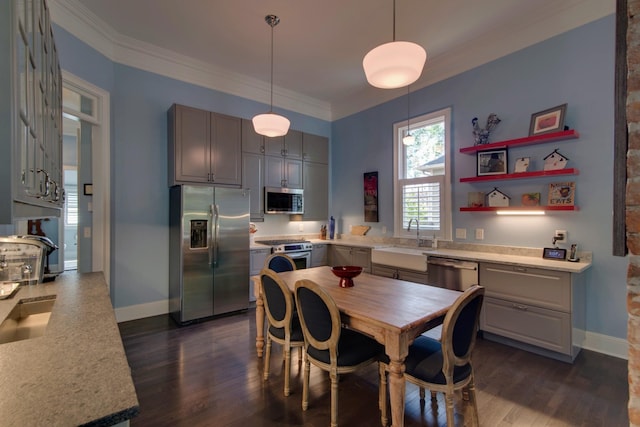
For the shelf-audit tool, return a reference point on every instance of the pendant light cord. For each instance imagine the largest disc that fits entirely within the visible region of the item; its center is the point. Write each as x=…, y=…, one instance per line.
x=408, y=112
x=394, y=20
x=272, y=24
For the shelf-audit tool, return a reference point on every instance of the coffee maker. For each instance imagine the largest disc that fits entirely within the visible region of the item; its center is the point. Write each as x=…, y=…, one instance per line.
x=25, y=259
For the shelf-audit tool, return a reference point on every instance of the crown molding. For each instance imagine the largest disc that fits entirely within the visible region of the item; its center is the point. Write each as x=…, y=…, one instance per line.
x=83, y=24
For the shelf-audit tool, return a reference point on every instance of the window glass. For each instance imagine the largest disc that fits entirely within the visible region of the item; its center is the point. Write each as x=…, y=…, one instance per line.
x=422, y=182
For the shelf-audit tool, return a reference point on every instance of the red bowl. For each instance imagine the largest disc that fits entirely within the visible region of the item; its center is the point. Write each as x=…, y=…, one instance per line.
x=346, y=273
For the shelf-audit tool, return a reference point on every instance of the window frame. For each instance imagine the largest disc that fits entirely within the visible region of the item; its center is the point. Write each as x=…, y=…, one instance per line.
x=446, y=213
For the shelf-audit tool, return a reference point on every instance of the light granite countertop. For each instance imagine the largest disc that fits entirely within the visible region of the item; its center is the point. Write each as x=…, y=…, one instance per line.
x=520, y=256
x=77, y=372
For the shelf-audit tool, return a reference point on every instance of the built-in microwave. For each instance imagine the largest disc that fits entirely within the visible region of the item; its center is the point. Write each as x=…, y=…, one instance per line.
x=279, y=200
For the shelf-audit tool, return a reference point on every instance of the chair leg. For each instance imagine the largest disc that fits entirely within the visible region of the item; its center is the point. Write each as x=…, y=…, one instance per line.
x=334, y=399
x=305, y=384
x=287, y=369
x=434, y=396
x=421, y=389
x=448, y=397
x=473, y=402
x=267, y=358
x=382, y=394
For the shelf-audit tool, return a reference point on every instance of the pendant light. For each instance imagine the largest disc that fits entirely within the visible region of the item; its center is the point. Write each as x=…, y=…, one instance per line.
x=408, y=138
x=271, y=124
x=395, y=64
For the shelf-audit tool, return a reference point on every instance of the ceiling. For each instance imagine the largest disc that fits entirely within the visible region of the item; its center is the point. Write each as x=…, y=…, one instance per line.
x=318, y=45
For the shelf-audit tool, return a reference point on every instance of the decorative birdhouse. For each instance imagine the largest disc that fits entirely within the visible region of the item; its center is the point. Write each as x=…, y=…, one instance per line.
x=555, y=161
x=522, y=164
x=497, y=198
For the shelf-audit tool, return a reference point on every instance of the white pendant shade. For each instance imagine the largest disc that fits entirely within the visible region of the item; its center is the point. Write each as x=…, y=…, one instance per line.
x=409, y=140
x=270, y=124
x=395, y=64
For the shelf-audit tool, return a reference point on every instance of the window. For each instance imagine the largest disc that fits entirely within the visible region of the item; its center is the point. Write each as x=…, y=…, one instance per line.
x=422, y=177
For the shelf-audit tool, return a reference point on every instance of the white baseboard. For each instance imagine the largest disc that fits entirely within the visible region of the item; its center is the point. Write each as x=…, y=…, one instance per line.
x=140, y=311
x=605, y=344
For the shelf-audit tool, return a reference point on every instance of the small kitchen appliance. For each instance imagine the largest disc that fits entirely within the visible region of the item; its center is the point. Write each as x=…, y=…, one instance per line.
x=25, y=259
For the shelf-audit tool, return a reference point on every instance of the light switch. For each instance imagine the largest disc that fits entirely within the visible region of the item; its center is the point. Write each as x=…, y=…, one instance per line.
x=301, y=227
x=87, y=232
x=461, y=233
x=479, y=233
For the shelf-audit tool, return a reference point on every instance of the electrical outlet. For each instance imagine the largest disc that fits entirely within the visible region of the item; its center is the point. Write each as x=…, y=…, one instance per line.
x=461, y=233
x=384, y=229
x=87, y=232
x=479, y=233
x=301, y=227
x=560, y=236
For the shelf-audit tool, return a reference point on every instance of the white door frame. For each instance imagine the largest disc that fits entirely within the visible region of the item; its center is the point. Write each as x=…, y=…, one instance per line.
x=101, y=167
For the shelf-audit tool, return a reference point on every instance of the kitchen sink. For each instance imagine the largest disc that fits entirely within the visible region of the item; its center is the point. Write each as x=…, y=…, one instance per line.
x=28, y=319
x=408, y=258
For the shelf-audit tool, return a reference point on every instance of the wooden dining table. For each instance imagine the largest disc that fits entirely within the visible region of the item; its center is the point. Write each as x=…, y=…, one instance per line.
x=393, y=312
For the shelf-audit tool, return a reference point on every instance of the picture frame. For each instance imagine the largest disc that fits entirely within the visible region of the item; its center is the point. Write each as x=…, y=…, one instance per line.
x=492, y=162
x=88, y=189
x=547, y=121
x=561, y=194
x=554, y=253
x=371, y=197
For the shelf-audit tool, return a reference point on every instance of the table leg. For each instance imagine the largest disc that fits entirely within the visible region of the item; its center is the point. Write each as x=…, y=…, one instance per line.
x=396, y=392
x=259, y=318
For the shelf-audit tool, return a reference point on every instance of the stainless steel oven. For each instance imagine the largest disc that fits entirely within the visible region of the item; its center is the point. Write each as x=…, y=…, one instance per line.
x=298, y=250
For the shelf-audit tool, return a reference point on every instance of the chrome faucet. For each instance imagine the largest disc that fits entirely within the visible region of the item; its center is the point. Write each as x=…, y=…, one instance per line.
x=417, y=229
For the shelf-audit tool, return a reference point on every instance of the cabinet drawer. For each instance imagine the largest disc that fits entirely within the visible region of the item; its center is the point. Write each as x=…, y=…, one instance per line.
x=532, y=286
x=537, y=326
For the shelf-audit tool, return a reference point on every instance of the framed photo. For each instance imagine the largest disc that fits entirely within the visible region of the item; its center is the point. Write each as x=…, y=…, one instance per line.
x=530, y=199
x=562, y=194
x=88, y=189
x=492, y=162
x=371, y=197
x=551, y=120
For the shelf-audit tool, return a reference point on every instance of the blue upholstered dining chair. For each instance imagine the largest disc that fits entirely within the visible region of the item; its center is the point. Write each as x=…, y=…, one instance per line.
x=445, y=365
x=283, y=324
x=328, y=345
x=279, y=263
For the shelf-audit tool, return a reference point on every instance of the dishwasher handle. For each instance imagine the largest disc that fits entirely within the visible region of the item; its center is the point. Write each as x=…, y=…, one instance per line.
x=453, y=263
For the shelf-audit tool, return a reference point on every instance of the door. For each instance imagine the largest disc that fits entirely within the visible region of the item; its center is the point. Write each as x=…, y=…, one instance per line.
x=231, y=250
x=197, y=253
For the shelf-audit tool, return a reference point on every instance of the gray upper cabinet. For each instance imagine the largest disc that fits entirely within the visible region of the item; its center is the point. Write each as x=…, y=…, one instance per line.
x=316, y=191
x=252, y=142
x=315, y=148
x=282, y=172
x=289, y=146
x=31, y=98
x=204, y=147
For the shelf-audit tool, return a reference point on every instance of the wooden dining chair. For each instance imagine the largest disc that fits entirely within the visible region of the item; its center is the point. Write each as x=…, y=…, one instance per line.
x=280, y=263
x=445, y=365
x=283, y=325
x=327, y=344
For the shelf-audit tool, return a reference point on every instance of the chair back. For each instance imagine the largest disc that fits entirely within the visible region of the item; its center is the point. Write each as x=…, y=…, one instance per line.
x=319, y=317
x=460, y=328
x=279, y=263
x=278, y=300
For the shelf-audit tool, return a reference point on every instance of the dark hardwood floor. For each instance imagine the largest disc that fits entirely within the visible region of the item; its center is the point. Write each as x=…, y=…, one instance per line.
x=208, y=374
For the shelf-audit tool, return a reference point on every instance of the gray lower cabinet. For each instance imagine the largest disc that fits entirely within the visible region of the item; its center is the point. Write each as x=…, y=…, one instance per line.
x=257, y=258
x=399, y=273
x=536, y=309
x=319, y=255
x=350, y=255
x=204, y=147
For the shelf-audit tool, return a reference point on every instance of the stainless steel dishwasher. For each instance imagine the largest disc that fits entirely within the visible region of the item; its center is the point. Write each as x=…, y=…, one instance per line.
x=451, y=273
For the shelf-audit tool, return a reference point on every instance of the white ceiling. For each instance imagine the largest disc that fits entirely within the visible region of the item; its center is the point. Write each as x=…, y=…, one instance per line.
x=318, y=45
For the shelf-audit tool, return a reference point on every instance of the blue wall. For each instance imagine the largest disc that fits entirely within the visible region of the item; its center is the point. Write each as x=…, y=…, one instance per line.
x=140, y=195
x=575, y=68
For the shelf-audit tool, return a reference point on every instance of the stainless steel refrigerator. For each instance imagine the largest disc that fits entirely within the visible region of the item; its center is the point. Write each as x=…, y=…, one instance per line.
x=208, y=251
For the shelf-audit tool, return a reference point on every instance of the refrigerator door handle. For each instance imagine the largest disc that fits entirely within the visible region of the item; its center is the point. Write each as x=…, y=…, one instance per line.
x=214, y=210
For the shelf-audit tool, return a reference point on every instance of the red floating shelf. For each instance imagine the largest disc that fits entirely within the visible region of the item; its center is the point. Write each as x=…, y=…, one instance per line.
x=520, y=142
x=533, y=174
x=519, y=208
